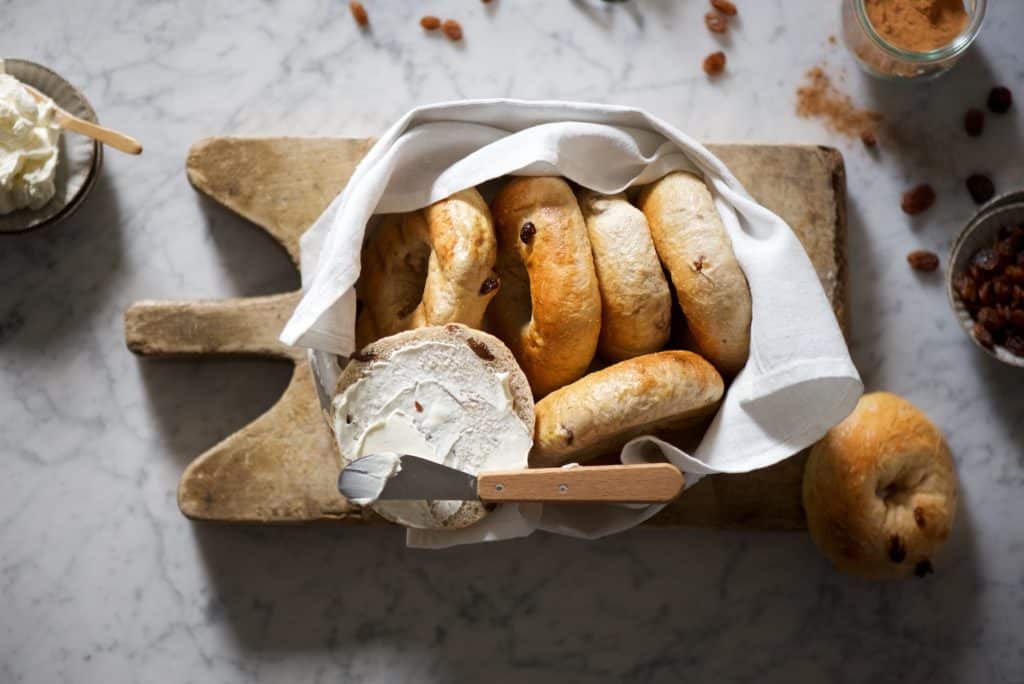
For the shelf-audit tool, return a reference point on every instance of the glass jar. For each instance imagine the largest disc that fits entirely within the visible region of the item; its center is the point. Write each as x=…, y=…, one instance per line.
x=885, y=60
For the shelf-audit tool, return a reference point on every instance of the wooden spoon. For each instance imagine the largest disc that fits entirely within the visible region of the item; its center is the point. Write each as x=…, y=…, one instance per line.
x=70, y=122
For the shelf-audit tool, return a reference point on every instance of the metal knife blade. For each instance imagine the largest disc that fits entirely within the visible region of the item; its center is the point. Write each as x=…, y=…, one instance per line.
x=401, y=476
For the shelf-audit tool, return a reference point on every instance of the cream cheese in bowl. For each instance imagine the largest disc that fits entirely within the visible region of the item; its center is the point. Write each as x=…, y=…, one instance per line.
x=29, y=151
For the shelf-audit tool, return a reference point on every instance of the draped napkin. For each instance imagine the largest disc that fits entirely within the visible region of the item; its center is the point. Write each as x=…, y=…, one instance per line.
x=799, y=380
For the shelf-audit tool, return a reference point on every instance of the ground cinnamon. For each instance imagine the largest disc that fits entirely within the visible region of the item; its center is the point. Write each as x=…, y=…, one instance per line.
x=818, y=97
x=917, y=25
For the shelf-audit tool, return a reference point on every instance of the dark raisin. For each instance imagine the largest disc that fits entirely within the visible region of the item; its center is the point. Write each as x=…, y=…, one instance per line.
x=985, y=295
x=527, y=232
x=986, y=259
x=974, y=122
x=430, y=23
x=452, y=328
x=1002, y=288
x=868, y=137
x=480, y=349
x=981, y=188
x=923, y=260
x=1020, y=259
x=918, y=199
x=452, y=29
x=999, y=100
x=923, y=568
x=715, y=22
x=897, y=551
x=966, y=288
x=725, y=7
x=569, y=436
x=919, y=517
x=1017, y=319
x=364, y=355
x=418, y=406
x=991, y=318
x=983, y=336
x=359, y=13
x=348, y=418
x=489, y=285
x=714, y=63
x=1014, y=344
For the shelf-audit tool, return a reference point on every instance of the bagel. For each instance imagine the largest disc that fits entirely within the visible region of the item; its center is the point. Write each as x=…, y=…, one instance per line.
x=549, y=308
x=428, y=267
x=636, y=307
x=607, y=408
x=449, y=394
x=880, y=490
x=692, y=243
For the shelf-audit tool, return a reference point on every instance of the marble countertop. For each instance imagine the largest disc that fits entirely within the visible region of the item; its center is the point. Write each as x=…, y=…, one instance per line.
x=101, y=579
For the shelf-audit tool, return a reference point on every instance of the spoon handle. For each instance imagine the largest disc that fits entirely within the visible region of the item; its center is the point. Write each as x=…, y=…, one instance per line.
x=107, y=136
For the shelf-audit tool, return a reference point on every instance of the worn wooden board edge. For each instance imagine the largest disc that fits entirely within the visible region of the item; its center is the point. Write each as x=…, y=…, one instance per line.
x=215, y=169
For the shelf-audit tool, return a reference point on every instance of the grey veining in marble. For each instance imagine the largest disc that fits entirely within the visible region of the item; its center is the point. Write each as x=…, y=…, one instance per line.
x=102, y=580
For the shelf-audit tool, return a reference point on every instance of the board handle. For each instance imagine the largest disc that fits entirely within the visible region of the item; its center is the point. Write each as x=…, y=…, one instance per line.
x=248, y=326
x=645, y=483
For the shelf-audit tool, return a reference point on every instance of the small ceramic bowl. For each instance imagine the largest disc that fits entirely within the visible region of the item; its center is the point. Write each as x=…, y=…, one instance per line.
x=981, y=231
x=80, y=157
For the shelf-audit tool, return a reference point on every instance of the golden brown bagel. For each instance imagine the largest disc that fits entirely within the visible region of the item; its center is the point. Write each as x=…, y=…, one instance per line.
x=692, y=243
x=549, y=309
x=636, y=307
x=880, y=490
x=428, y=267
x=605, y=409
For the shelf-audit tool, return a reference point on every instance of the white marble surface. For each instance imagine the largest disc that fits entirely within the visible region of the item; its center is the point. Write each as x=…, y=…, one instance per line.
x=102, y=580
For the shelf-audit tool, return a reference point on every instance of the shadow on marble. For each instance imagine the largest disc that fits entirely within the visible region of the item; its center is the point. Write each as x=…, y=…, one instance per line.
x=256, y=263
x=925, y=130
x=55, y=279
x=647, y=605
x=198, y=402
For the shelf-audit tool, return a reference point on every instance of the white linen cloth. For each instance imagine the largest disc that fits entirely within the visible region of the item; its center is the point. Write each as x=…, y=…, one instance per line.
x=799, y=380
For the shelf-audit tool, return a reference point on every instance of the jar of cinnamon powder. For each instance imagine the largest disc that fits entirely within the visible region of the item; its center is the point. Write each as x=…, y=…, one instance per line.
x=910, y=39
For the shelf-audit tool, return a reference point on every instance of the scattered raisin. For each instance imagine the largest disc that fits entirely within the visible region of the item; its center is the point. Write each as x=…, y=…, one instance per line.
x=714, y=63
x=430, y=23
x=923, y=568
x=418, y=406
x=918, y=199
x=999, y=100
x=452, y=29
x=489, y=285
x=725, y=7
x=923, y=260
x=867, y=136
x=715, y=22
x=919, y=517
x=527, y=232
x=983, y=336
x=480, y=349
x=974, y=122
x=897, y=551
x=364, y=355
x=981, y=188
x=359, y=13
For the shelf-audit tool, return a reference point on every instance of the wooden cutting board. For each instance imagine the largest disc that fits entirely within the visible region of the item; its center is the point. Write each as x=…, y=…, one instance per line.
x=283, y=466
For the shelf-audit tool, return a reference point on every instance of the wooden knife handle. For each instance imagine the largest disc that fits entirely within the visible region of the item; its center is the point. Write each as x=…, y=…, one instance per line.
x=646, y=483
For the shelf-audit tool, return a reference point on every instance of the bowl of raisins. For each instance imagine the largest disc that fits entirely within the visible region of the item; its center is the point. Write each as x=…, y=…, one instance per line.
x=986, y=281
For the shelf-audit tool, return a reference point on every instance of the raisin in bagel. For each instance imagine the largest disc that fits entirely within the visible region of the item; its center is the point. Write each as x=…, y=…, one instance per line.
x=607, y=408
x=449, y=394
x=880, y=490
x=549, y=308
x=692, y=243
x=428, y=267
x=636, y=307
